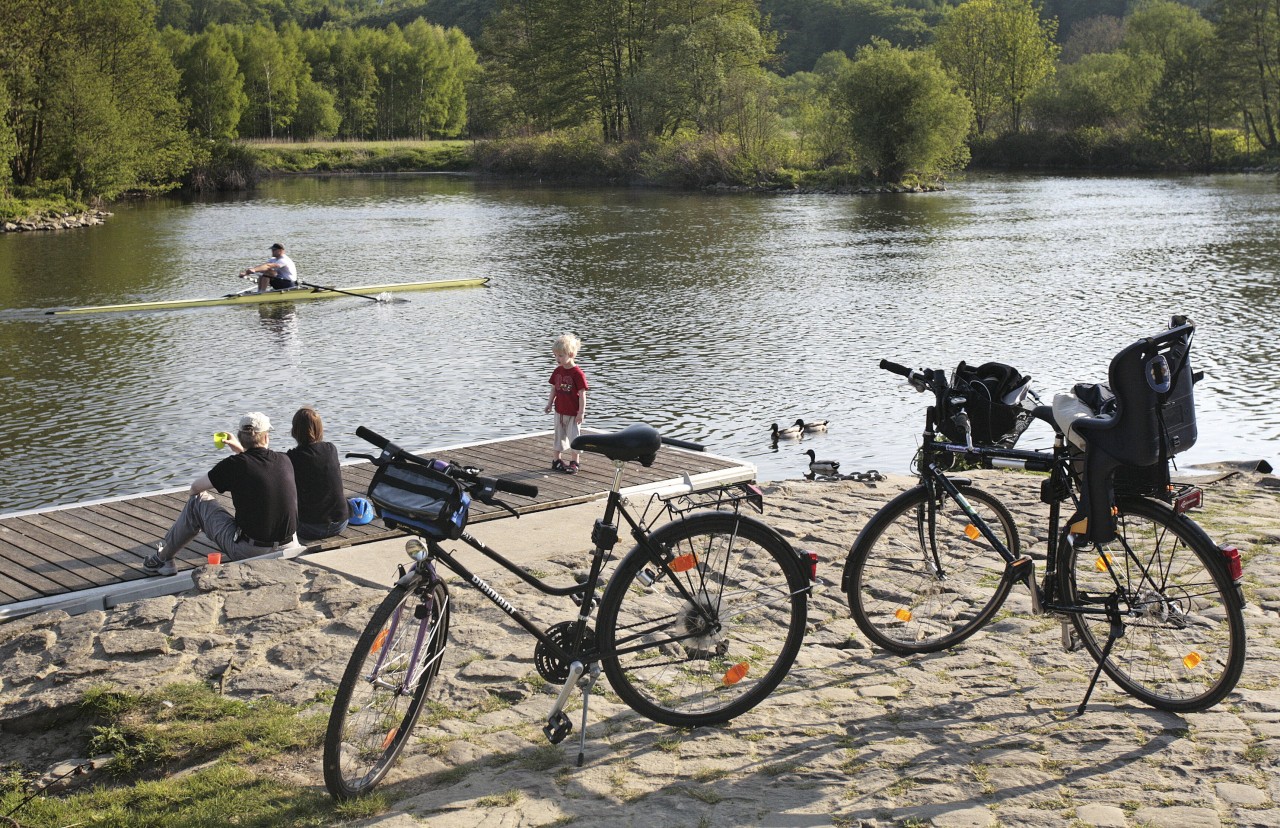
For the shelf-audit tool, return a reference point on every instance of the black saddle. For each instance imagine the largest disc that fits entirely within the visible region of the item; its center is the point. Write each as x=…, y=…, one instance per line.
x=635, y=442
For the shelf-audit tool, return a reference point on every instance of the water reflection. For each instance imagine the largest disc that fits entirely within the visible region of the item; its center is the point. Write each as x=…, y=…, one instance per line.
x=710, y=316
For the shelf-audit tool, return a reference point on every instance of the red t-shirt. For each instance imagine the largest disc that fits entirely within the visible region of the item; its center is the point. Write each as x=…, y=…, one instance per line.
x=568, y=382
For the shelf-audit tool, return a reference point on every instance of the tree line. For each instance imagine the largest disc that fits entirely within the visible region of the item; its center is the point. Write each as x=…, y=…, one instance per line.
x=99, y=97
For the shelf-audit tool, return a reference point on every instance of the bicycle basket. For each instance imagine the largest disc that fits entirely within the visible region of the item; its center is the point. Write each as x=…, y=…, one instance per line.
x=420, y=499
x=992, y=393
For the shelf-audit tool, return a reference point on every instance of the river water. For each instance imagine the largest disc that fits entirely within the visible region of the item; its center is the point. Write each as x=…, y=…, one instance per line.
x=709, y=316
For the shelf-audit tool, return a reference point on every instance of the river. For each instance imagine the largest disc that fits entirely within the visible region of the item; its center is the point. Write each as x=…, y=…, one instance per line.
x=710, y=316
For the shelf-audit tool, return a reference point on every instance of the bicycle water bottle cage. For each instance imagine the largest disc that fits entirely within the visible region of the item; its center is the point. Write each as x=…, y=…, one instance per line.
x=635, y=442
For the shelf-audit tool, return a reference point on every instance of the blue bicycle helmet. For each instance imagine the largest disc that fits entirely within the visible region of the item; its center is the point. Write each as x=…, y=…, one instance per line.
x=361, y=511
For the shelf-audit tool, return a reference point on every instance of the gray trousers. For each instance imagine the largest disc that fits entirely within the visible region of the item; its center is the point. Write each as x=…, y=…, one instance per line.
x=203, y=514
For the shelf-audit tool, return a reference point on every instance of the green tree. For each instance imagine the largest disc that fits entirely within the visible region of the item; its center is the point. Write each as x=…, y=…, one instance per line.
x=8, y=142
x=999, y=51
x=805, y=104
x=317, y=116
x=1107, y=91
x=212, y=86
x=93, y=96
x=1248, y=34
x=905, y=113
x=273, y=67
x=1187, y=102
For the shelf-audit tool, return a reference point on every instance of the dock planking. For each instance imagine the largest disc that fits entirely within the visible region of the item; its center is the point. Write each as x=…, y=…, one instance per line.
x=51, y=552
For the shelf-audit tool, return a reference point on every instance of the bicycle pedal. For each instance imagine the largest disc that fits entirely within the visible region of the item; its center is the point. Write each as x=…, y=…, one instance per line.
x=1070, y=639
x=557, y=728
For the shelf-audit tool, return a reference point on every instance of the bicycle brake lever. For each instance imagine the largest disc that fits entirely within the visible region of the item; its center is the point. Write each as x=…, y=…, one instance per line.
x=360, y=456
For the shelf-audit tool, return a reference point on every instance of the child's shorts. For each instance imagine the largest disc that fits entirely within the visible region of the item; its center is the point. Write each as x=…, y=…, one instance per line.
x=566, y=430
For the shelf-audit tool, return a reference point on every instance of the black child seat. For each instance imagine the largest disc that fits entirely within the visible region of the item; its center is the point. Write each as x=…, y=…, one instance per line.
x=1152, y=418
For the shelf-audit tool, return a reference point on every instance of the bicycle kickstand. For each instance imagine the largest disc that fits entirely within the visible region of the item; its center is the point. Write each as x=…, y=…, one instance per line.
x=588, y=683
x=1116, y=631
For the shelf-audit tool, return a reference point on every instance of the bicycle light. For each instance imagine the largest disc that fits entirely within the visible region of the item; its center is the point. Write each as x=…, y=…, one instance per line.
x=415, y=548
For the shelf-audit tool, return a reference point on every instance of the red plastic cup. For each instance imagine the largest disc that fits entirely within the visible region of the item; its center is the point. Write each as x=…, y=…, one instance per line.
x=215, y=558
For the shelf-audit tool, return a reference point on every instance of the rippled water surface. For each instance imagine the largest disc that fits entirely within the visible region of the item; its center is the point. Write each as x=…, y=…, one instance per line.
x=709, y=316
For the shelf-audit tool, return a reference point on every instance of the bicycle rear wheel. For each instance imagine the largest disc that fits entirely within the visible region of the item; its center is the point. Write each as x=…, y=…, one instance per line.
x=708, y=635
x=1183, y=646
x=384, y=687
x=921, y=577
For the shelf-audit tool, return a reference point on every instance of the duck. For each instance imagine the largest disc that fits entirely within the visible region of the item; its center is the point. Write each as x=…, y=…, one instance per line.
x=790, y=432
x=812, y=426
x=824, y=467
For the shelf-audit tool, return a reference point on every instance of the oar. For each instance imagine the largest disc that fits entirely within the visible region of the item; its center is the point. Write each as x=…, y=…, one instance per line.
x=338, y=290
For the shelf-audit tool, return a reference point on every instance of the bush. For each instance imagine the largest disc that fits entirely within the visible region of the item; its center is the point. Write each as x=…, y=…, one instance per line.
x=574, y=155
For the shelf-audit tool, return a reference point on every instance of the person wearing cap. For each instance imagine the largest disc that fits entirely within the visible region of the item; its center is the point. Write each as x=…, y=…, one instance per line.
x=264, y=495
x=277, y=272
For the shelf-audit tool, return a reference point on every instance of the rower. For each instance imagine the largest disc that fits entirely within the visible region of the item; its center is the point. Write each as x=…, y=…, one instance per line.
x=277, y=272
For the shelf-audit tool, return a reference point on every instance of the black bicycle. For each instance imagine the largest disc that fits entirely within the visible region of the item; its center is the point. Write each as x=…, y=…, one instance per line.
x=1136, y=581
x=697, y=624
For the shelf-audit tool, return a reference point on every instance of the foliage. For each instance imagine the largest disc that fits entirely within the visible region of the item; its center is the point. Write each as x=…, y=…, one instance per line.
x=565, y=155
x=905, y=113
x=358, y=156
x=212, y=84
x=1101, y=90
x=1248, y=57
x=811, y=28
x=92, y=96
x=35, y=203
x=999, y=51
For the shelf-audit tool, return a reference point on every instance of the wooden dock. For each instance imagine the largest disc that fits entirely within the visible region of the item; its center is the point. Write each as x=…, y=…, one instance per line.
x=90, y=554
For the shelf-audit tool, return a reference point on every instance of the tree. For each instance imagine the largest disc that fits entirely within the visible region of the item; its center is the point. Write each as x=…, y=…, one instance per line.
x=999, y=51
x=905, y=113
x=1103, y=90
x=8, y=142
x=1248, y=40
x=272, y=67
x=212, y=86
x=1093, y=35
x=92, y=96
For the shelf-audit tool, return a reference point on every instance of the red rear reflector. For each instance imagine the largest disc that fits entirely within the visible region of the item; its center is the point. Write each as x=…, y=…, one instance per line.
x=1188, y=500
x=811, y=564
x=1231, y=555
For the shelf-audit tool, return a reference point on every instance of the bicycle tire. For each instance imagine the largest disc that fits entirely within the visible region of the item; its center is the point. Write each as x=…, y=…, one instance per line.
x=374, y=713
x=1183, y=646
x=908, y=599
x=678, y=666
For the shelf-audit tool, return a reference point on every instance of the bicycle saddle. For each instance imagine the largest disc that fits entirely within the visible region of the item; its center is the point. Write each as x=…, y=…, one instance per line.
x=635, y=442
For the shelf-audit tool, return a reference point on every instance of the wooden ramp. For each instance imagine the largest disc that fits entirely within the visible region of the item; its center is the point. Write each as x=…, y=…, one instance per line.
x=89, y=555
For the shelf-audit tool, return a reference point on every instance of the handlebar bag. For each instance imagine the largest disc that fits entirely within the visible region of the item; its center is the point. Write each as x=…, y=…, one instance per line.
x=420, y=500
x=992, y=393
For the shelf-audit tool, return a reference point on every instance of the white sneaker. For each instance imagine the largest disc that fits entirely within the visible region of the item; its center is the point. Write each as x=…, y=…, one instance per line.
x=155, y=565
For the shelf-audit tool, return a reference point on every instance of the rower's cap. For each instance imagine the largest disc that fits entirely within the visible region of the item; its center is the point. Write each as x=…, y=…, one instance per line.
x=277, y=246
x=255, y=421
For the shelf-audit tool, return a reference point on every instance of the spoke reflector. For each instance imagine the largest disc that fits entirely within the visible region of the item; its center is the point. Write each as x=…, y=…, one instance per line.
x=971, y=532
x=1191, y=660
x=379, y=641
x=735, y=673
x=684, y=563
x=391, y=737
x=903, y=614
x=1104, y=562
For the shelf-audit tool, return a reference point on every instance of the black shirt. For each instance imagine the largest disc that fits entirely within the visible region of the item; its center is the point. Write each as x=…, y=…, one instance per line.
x=262, y=491
x=321, y=498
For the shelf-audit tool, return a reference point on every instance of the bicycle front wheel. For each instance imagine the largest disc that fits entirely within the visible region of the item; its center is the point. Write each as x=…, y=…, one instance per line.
x=921, y=577
x=708, y=634
x=1183, y=642
x=384, y=687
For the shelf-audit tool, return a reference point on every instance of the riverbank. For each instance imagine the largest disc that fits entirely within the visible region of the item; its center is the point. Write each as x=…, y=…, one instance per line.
x=56, y=221
x=979, y=736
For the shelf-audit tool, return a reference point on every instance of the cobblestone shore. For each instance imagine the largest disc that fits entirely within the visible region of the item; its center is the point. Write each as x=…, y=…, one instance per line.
x=983, y=735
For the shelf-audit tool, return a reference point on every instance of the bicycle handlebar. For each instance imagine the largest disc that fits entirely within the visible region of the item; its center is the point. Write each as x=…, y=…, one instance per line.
x=895, y=368
x=498, y=483
x=684, y=444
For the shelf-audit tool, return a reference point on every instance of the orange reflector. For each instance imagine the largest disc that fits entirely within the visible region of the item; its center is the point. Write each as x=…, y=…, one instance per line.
x=684, y=563
x=735, y=673
x=379, y=641
x=1079, y=527
x=1104, y=562
x=1191, y=660
x=903, y=615
x=971, y=532
x=391, y=737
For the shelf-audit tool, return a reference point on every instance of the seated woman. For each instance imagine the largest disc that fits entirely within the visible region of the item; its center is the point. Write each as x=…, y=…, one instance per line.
x=322, y=503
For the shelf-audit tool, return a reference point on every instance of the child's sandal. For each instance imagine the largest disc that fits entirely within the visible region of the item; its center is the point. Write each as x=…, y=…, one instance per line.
x=558, y=465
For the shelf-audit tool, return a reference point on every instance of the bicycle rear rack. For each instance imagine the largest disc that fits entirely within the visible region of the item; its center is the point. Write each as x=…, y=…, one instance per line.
x=725, y=498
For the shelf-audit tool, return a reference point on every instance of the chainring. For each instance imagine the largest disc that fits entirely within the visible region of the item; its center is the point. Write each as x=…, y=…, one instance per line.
x=556, y=670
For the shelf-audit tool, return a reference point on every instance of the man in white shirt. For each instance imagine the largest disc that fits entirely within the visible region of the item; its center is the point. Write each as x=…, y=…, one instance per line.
x=278, y=272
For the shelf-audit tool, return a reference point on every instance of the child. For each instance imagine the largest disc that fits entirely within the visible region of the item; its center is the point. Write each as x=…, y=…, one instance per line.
x=569, y=397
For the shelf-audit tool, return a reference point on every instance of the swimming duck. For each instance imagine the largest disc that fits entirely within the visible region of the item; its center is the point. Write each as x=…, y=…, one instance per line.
x=790, y=432
x=825, y=467
x=810, y=427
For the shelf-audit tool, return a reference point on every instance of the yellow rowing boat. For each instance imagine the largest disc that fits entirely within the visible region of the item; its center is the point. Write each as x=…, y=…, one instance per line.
x=290, y=295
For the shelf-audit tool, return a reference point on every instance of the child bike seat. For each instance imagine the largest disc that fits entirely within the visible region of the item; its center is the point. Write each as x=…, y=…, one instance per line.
x=635, y=442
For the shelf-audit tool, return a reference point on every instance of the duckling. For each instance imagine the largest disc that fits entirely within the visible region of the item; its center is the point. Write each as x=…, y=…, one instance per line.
x=790, y=432
x=810, y=427
x=825, y=467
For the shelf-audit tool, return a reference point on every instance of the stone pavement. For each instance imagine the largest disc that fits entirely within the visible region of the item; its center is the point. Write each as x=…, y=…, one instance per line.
x=982, y=735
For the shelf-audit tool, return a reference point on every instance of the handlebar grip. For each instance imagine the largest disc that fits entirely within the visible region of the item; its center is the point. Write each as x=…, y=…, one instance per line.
x=684, y=444
x=515, y=487
x=894, y=368
x=372, y=437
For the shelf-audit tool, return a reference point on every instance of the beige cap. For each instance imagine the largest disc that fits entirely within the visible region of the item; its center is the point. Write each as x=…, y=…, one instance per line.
x=255, y=421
